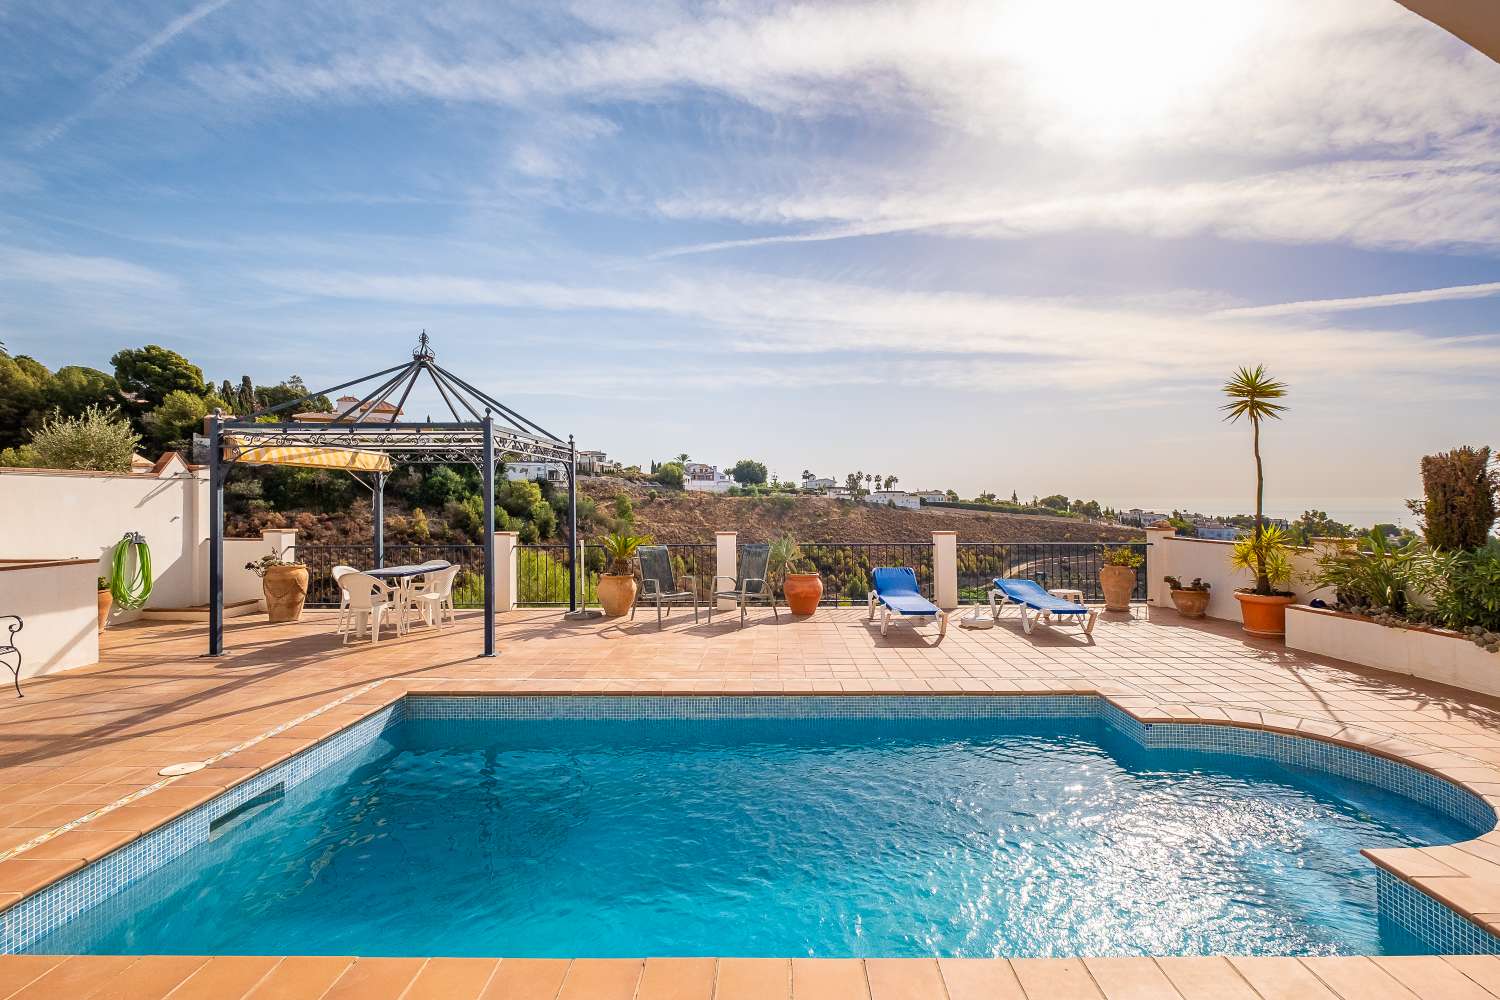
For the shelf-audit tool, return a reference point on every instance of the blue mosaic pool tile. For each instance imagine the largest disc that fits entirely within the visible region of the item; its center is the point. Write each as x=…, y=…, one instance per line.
x=60, y=902
x=653, y=707
x=1432, y=923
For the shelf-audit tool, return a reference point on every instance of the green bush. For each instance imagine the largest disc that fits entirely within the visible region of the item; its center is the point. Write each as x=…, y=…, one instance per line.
x=670, y=474
x=1459, y=507
x=99, y=440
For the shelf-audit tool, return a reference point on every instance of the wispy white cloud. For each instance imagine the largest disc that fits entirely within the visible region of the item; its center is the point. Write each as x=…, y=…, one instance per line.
x=61, y=270
x=125, y=71
x=1379, y=204
x=956, y=339
x=1452, y=293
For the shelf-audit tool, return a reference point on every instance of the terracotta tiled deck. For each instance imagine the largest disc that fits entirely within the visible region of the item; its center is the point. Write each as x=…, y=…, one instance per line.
x=79, y=758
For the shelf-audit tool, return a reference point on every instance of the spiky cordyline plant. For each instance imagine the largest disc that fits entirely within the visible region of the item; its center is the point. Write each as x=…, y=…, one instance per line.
x=1252, y=394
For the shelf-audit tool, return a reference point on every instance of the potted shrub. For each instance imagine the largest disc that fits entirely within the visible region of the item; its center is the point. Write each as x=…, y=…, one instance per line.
x=284, y=584
x=1265, y=552
x=1117, y=577
x=1268, y=555
x=1191, y=601
x=802, y=589
x=617, y=587
x=106, y=601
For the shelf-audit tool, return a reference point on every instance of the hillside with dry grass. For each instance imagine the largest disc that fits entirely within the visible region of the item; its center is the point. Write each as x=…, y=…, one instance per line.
x=674, y=517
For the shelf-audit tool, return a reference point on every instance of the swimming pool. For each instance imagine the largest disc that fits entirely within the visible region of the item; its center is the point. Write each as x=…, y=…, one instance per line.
x=837, y=827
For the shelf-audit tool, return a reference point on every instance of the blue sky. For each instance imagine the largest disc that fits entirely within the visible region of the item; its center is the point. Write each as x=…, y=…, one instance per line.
x=1006, y=246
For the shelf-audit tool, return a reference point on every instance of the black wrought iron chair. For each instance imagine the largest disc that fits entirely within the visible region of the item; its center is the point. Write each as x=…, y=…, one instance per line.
x=750, y=586
x=659, y=583
x=10, y=650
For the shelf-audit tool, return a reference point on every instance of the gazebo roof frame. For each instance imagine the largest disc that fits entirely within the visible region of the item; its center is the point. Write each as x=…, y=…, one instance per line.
x=481, y=440
x=460, y=439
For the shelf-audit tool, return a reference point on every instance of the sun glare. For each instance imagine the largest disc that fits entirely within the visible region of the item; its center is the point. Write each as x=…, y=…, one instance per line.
x=1115, y=69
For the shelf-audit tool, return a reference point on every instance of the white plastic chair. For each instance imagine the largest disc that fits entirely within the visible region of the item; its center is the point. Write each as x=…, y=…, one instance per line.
x=434, y=596
x=369, y=600
x=339, y=572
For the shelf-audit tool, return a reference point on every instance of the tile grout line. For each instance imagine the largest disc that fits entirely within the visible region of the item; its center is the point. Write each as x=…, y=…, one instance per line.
x=141, y=793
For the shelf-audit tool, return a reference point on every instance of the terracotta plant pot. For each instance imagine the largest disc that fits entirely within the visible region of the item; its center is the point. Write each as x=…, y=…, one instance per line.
x=616, y=594
x=803, y=592
x=1191, y=603
x=1118, y=583
x=1264, y=615
x=285, y=589
x=106, y=601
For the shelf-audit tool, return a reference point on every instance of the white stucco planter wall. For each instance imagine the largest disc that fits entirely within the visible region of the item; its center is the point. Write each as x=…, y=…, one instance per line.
x=59, y=603
x=1431, y=654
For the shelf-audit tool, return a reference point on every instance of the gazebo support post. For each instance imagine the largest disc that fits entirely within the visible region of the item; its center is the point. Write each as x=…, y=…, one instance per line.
x=577, y=550
x=216, y=473
x=377, y=509
x=489, y=534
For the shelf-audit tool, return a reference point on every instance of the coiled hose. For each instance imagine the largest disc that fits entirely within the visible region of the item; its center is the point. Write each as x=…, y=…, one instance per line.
x=131, y=590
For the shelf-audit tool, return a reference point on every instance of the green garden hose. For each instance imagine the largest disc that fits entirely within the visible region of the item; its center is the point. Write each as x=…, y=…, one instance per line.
x=131, y=591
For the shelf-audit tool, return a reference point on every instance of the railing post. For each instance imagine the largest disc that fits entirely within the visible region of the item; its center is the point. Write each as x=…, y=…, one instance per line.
x=1159, y=563
x=945, y=569
x=726, y=544
x=506, y=591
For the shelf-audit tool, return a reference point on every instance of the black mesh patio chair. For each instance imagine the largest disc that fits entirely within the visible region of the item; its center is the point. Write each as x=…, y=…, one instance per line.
x=9, y=650
x=659, y=585
x=751, y=585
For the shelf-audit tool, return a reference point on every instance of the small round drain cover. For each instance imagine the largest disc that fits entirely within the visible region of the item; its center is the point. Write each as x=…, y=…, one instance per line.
x=174, y=770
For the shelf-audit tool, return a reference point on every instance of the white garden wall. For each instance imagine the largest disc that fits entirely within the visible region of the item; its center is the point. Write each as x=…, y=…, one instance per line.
x=1432, y=654
x=58, y=601
x=1208, y=559
x=50, y=514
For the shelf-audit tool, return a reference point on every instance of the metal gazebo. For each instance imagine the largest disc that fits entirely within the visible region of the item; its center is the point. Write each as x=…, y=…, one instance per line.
x=482, y=430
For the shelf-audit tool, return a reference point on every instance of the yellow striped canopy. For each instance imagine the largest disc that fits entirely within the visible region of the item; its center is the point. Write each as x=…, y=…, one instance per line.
x=305, y=456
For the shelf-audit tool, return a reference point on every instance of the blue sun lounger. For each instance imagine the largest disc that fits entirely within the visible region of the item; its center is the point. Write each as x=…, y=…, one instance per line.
x=896, y=593
x=1030, y=596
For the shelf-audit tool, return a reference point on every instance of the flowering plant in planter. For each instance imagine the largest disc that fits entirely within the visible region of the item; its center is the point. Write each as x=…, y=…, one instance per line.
x=1117, y=576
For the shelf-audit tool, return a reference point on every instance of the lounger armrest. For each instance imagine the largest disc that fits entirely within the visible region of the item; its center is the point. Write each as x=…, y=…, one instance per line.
x=744, y=585
x=732, y=581
x=650, y=586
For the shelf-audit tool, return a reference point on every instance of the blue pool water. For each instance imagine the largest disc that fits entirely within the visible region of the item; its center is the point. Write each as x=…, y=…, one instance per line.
x=789, y=837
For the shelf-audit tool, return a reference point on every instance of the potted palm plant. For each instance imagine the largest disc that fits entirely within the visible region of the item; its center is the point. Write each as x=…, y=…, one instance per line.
x=283, y=583
x=1253, y=394
x=617, y=585
x=802, y=590
x=1117, y=577
x=1190, y=599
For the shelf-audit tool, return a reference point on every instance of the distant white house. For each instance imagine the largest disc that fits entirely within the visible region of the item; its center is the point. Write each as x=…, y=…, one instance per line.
x=700, y=477
x=819, y=485
x=596, y=463
x=1140, y=517
x=931, y=496
x=893, y=498
x=552, y=472
x=1217, y=531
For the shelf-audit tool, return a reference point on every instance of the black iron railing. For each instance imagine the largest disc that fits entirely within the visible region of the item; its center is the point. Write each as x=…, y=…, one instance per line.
x=846, y=567
x=542, y=572
x=1052, y=564
x=468, y=586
